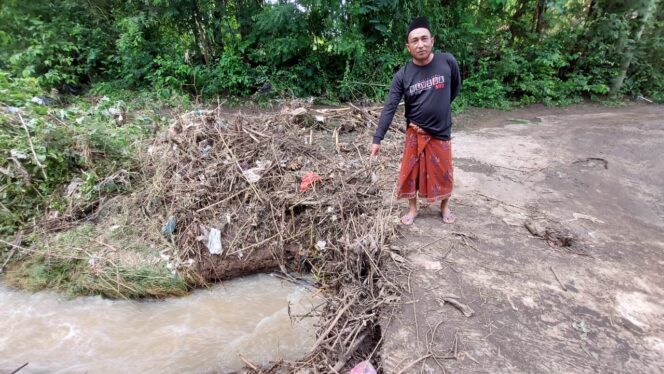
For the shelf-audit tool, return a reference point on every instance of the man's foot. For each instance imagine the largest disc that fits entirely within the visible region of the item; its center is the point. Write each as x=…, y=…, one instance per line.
x=448, y=216
x=409, y=218
x=446, y=213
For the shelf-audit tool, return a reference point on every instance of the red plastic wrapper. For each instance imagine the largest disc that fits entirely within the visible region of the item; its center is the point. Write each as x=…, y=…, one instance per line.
x=308, y=180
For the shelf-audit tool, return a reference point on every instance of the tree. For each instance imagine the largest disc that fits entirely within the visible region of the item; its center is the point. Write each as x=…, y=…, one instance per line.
x=515, y=26
x=627, y=45
x=538, y=18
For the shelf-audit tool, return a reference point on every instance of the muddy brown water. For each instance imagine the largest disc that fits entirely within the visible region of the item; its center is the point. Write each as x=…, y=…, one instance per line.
x=204, y=332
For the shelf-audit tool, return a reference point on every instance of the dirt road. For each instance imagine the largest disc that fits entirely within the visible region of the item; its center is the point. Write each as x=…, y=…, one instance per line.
x=581, y=291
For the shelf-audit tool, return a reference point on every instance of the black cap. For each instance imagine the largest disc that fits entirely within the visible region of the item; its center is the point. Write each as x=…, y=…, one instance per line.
x=416, y=23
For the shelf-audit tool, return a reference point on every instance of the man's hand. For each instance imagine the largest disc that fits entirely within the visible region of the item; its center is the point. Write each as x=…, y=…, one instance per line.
x=375, y=150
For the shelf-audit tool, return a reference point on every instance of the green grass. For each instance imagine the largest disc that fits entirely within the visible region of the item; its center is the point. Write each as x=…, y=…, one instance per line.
x=115, y=257
x=76, y=277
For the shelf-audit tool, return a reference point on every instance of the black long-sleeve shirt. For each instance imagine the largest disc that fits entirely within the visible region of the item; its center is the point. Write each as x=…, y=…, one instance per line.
x=429, y=91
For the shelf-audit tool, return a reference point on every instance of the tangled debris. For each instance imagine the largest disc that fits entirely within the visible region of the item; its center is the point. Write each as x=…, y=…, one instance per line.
x=250, y=193
x=261, y=191
x=230, y=195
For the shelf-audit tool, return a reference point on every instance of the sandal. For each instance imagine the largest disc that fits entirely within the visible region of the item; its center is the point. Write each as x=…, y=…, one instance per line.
x=408, y=219
x=448, y=218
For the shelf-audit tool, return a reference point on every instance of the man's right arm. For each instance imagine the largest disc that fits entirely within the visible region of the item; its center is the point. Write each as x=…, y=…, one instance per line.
x=391, y=104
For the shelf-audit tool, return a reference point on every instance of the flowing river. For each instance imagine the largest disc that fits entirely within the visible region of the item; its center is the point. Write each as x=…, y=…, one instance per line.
x=204, y=332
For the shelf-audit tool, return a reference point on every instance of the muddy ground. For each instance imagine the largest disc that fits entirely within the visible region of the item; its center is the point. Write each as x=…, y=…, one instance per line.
x=588, y=175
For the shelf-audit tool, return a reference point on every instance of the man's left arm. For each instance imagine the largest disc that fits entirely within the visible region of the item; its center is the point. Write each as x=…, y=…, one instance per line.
x=455, y=88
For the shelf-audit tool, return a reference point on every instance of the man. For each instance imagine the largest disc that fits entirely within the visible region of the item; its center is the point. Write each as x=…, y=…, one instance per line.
x=429, y=82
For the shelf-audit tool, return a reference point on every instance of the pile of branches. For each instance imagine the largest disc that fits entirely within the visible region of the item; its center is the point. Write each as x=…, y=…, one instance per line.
x=278, y=190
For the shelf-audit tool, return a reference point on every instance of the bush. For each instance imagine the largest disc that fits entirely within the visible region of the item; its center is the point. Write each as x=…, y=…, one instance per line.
x=79, y=140
x=58, y=43
x=508, y=53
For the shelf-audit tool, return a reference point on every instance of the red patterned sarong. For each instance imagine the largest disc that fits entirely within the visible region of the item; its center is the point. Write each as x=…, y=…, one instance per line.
x=426, y=168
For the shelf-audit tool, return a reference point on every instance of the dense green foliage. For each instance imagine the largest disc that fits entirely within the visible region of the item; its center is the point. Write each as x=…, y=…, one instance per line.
x=510, y=51
x=43, y=148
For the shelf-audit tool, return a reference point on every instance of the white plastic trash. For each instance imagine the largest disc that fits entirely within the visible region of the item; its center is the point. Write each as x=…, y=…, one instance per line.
x=214, y=241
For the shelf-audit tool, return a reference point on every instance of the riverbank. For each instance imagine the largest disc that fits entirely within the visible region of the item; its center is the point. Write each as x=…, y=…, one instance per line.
x=214, y=195
x=292, y=189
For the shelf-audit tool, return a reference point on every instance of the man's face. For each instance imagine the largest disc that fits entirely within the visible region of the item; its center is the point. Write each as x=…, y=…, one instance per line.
x=420, y=43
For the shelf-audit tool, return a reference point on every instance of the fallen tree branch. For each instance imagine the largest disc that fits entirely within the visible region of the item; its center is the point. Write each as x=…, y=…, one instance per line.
x=463, y=308
x=558, y=279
